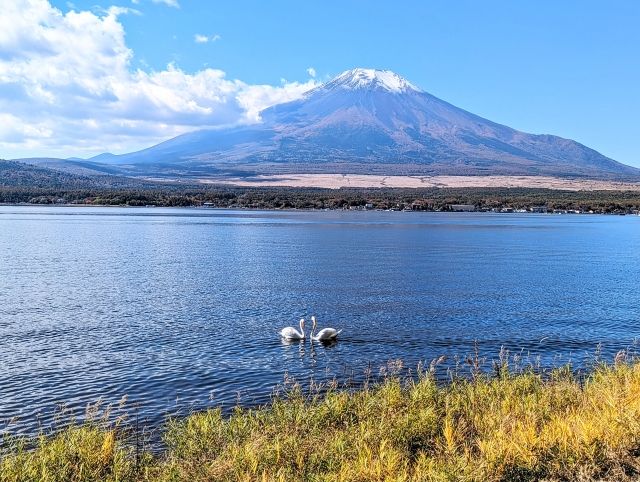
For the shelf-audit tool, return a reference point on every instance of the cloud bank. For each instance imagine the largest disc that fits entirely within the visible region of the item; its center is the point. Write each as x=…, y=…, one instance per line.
x=66, y=84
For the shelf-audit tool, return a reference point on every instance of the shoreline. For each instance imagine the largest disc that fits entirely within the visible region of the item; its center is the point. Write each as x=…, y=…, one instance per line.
x=508, y=425
x=307, y=210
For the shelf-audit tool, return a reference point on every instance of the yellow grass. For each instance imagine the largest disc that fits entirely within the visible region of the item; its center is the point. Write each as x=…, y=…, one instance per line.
x=503, y=427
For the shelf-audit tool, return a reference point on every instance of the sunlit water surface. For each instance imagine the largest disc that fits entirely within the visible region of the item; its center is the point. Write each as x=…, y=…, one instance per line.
x=180, y=308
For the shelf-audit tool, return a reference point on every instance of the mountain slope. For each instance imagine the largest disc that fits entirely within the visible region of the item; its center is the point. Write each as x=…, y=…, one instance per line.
x=372, y=121
x=22, y=174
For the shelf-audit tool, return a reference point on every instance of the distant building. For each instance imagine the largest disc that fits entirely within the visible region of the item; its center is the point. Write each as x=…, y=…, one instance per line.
x=539, y=209
x=463, y=207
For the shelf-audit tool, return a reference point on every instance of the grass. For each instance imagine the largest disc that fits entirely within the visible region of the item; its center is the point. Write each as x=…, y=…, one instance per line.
x=499, y=426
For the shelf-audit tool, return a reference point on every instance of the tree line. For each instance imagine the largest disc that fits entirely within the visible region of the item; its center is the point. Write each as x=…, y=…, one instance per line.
x=437, y=199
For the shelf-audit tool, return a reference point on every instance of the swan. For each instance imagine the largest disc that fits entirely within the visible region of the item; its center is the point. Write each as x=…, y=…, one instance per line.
x=325, y=334
x=291, y=333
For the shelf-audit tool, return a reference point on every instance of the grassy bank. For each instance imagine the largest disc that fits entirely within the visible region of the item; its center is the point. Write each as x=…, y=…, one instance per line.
x=503, y=426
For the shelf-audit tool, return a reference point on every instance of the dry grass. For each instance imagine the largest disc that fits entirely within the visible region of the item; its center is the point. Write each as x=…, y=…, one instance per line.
x=523, y=426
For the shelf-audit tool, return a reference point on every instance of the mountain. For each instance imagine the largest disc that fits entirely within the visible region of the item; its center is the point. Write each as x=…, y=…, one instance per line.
x=105, y=157
x=24, y=174
x=368, y=121
x=78, y=167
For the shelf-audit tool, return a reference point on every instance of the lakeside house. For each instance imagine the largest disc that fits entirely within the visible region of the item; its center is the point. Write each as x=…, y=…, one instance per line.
x=539, y=209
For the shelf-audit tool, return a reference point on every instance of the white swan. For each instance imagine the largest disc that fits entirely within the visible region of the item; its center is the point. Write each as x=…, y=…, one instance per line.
x=291, y=333
x=324, y=334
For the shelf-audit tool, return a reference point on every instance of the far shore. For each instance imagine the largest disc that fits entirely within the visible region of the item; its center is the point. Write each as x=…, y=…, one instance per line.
x=349, y=191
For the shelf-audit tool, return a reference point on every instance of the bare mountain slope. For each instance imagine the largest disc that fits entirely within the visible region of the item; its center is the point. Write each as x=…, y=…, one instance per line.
x=372, y=121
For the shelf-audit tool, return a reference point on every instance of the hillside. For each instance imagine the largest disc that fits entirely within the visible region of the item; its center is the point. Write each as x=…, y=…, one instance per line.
x=18, y=174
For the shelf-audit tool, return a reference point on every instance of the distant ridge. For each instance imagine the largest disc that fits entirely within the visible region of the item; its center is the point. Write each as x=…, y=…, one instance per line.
x=104, y=157
x=367, y=121
x=21, y=174
x=78, y=167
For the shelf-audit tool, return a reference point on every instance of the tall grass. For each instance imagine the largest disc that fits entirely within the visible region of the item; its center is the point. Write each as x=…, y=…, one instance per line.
x=499, y=426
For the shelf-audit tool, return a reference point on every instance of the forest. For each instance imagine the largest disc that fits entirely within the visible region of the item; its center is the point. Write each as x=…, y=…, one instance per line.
x=23, y=183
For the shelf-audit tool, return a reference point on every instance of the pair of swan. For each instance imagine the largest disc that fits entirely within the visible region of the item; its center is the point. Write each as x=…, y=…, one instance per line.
x=325, y=334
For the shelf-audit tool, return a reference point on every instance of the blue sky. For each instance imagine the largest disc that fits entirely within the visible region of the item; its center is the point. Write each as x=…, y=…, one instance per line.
x=139, y=76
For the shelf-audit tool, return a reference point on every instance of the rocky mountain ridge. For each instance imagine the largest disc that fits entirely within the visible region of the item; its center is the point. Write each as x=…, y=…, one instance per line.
x=367, y=121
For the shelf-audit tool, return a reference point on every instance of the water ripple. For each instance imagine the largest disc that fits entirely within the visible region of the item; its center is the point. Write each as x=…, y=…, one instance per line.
x=174, y=306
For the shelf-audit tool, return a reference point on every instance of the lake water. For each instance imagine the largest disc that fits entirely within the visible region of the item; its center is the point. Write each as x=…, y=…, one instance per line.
x=175, y=306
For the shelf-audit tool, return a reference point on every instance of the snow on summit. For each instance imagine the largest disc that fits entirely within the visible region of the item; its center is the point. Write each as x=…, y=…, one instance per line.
x=372, y=79
x=367, y=121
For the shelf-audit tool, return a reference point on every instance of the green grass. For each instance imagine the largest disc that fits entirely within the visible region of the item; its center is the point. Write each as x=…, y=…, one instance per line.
x=505, y=426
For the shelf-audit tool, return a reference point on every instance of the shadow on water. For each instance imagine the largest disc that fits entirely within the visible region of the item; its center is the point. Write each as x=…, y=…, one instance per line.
x=328, y=344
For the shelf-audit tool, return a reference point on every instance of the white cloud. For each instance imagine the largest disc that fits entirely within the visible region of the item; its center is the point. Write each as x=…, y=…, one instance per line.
x=171, y=3
x=204, y=39
x=115, y=11
x=254, y=98
x=312, y=71
x=66, y=84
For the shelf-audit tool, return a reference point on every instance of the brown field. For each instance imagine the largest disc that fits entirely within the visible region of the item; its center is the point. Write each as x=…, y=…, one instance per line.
x=337, y=181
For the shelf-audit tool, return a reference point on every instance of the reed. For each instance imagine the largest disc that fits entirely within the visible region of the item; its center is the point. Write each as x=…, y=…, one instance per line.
x=484, y=426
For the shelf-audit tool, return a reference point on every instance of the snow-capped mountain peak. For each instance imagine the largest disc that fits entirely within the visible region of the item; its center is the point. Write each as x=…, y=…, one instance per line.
x=371, y=79
x=367, y=121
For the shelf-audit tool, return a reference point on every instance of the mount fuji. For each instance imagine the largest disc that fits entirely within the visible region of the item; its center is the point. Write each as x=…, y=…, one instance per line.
x=367, y=121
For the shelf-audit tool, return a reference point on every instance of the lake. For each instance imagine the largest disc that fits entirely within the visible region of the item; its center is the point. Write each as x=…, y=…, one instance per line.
x=180, y=309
